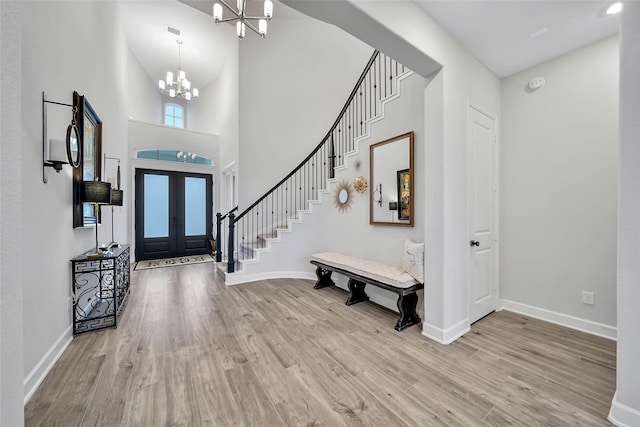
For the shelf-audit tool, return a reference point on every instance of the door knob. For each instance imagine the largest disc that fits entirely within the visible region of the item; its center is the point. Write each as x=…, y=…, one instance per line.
x=474, y=243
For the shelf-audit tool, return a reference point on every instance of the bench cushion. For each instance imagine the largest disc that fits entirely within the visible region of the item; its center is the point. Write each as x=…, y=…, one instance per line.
x=394, y=276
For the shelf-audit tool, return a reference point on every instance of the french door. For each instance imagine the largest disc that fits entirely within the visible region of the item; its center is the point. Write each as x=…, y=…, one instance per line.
x=173, y=214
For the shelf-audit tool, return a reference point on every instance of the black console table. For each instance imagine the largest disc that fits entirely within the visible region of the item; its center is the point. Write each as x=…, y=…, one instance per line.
x=100, y=289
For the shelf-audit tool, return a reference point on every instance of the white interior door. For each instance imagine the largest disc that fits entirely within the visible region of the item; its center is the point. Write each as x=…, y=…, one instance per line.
x=483, y=184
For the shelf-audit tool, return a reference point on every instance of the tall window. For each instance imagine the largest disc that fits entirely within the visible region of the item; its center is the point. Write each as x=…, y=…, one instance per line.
x=174, y=115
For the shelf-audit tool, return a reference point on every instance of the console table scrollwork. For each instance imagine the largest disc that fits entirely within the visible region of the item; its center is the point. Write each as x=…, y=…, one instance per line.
x=100, y=289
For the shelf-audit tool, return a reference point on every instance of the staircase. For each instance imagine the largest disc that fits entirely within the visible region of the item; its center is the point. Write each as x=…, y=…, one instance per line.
x=242, y=237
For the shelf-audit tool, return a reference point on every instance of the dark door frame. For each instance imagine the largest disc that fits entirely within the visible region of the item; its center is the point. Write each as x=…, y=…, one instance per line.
x=176, y=244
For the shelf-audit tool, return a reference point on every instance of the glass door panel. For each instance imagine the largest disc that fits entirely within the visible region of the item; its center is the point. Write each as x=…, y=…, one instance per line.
x=195, y=209
x=156, y=206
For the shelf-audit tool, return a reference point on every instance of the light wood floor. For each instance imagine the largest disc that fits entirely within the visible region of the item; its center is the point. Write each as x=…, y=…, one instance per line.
x=191, y=352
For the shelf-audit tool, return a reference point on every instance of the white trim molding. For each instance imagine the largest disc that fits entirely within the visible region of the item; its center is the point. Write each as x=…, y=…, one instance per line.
x=448, y=335
x=577, y=323
x=33, y=380
x=623, y=415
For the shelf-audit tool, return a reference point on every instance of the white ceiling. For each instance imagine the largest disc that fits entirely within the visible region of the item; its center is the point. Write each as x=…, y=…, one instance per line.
x=498, y=33
x=205, y=45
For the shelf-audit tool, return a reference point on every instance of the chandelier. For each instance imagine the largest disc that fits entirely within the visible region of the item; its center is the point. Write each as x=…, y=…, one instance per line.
x=181, y=155
x=244, y=21
x=179, y=87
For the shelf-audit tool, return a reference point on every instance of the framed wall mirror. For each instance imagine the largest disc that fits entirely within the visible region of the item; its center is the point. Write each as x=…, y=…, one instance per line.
x=90, y=168
x=391, y=182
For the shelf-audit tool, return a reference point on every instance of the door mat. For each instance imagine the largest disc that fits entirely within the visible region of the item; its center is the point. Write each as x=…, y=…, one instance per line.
x=173, y=262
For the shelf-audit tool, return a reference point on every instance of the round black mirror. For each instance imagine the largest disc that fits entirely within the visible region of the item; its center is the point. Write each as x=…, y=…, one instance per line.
x=73, y=142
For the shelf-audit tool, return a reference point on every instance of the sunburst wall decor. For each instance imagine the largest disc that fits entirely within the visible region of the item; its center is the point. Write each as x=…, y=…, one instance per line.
x=343, y=196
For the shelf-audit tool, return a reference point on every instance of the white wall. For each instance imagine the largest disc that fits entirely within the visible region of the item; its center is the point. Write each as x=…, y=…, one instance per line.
x=625, y=408
x=216, y=109
x=559, y=185
x=462, y=78
x=329, y=229
x=293, y=84
x=11, y=244
x=64, y=48
x=147, y=136
x=144, y=100
x=405, y=32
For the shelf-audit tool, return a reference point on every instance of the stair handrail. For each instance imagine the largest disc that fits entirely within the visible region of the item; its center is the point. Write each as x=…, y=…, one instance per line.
x=227, y=214
x=218, y=239
x=322, y=142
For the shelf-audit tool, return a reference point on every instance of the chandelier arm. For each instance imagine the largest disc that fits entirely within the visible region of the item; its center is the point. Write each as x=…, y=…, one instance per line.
x=232, y=10
x=255, y=18
x=229, y=19
x=253, y=28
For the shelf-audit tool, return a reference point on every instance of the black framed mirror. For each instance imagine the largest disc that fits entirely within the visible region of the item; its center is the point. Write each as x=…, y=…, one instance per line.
x=73, y=141
x=90, y=154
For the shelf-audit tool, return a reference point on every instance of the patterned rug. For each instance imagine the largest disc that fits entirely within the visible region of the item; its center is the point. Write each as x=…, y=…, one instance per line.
x=173, y=262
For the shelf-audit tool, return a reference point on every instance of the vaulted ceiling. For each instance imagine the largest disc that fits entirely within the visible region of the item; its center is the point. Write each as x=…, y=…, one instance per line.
x=507, y=36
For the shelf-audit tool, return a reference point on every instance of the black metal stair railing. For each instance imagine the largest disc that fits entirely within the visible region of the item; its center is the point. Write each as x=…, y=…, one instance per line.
x=249, y=230
x=222, y=223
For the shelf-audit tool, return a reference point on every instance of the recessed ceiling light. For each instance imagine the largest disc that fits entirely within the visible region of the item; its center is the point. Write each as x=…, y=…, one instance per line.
x=614, y=8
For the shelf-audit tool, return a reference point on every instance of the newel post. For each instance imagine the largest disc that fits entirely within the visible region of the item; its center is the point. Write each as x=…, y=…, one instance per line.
x=230, y=261
x=218, y=247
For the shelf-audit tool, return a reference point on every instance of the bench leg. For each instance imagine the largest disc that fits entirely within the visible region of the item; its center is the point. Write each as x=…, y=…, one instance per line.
x=407, y=307
x=357, y=293
x=324, y=278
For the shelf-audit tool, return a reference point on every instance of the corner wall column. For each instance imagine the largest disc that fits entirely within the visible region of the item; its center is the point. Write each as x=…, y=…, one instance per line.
x=625, y=407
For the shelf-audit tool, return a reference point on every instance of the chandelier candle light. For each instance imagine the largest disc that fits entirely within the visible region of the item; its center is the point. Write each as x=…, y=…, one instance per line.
x=244, y=20
x=181, y=86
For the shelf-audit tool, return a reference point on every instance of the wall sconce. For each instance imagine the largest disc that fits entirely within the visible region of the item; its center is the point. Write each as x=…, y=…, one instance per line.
x=98, y=193
x=377, y=194
x=55, y=156
x=393, y=206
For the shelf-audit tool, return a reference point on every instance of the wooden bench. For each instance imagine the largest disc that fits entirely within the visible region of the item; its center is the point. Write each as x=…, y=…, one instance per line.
x=362, y=272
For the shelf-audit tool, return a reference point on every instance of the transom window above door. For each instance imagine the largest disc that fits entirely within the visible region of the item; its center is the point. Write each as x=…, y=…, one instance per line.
x=174, y=156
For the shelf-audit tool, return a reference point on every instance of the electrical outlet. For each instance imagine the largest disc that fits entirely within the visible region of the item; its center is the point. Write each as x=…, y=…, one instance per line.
x=588, y=298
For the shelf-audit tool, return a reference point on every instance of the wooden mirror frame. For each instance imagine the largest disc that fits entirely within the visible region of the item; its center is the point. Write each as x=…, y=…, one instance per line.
x=373, y=186
x=90, y=162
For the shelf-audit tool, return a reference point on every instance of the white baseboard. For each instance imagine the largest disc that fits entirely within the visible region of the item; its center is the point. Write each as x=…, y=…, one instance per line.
x=561, y=319
x=446, y=336
x=622, y=415
x=238, y=279
x=40, y=371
